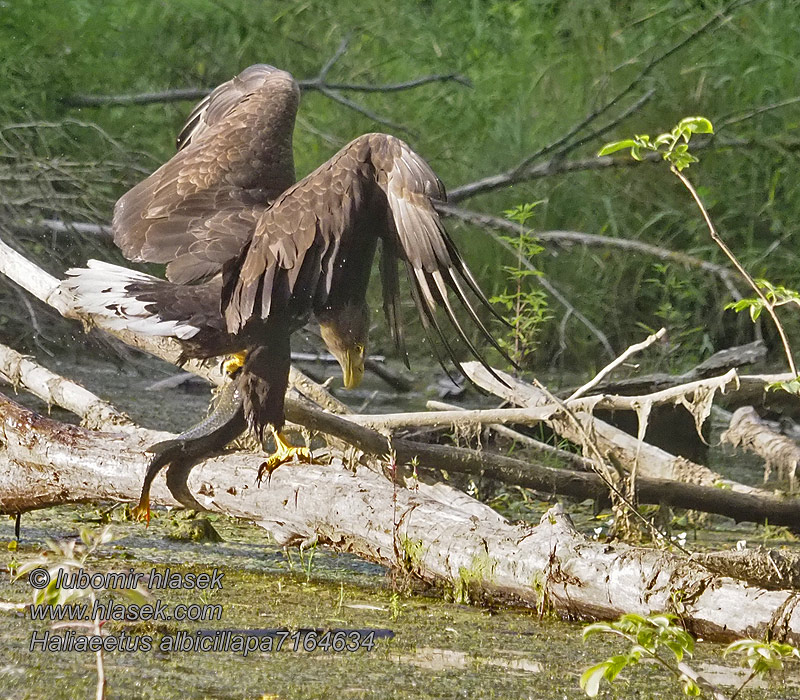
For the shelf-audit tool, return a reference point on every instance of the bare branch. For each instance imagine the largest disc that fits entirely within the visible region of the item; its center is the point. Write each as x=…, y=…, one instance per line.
x=340, y=51
x=725, y=275
x=397, y=87
x=564, y=144
x=347, y=102
x=741, y=116
x=575, y=461
x=319, y=83
x=635, y=107
x=311, y=84
x=17, y=369
x=632, y=350
x=742, y=502
x=56, y=226
x=768, y=305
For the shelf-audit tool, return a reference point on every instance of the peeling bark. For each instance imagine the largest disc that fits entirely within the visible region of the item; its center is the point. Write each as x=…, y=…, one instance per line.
x=440, y=534
x=625, y=449
x=749, y=432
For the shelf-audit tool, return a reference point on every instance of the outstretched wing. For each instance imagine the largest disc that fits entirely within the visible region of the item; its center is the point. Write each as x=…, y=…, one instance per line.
x=375, y=187
x=198, y=209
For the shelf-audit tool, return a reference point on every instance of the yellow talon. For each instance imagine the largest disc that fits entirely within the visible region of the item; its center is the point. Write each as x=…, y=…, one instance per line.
x=284, y=452
x=234, y=363
x=141, y=512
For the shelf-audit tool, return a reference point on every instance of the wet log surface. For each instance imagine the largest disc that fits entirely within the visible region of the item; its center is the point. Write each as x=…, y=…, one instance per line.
x=433, y=531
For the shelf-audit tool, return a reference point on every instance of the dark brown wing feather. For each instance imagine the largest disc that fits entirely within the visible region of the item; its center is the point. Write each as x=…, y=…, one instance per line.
x=322, y=232
x=199, y=209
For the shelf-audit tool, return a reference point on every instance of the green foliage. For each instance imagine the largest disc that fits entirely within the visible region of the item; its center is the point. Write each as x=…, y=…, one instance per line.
x=667, y=144
x=527, y=306
x=648, y=636
x=536, y=70
x=763, y=657
x=672, y=295
x=776, y=294
x=69, y=555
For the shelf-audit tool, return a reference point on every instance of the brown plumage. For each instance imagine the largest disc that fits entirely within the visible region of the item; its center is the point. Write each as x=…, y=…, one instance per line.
x=251, y=254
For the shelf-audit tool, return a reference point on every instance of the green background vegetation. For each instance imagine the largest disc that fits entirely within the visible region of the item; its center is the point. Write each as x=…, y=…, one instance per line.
x=536, y=68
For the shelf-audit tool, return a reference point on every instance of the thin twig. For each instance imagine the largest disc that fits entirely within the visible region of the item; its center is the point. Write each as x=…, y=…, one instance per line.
x=575, y=460
x=340, y=51
x=740, y=116
x=562, y=145
x=632, y=350
x=347, y=102
x=635, y=107
x=744, y=273
x=310, y=85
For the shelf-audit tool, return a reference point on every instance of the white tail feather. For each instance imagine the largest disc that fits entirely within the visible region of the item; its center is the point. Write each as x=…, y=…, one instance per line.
x=102, y=289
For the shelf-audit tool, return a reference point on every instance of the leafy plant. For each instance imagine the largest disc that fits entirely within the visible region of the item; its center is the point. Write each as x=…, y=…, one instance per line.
x=673, y=146
x=650, y=637
x=762, y=657
x=527, y=307
x=660, y=639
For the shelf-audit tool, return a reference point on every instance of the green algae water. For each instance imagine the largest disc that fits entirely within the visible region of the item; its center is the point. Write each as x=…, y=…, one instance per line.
x=415, y=642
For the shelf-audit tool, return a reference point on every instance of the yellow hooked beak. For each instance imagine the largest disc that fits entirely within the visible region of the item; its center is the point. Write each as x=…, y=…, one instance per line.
x=352, y=364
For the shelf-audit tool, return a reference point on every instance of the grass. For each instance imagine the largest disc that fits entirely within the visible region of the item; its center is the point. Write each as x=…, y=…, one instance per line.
x=536, y=69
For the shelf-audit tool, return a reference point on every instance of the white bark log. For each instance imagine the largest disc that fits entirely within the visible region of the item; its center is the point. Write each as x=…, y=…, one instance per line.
x=627, y=450
x=440, y=534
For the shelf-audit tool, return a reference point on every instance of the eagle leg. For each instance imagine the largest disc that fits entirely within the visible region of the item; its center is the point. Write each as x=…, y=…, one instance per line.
x=284, y=452
x=208, y=437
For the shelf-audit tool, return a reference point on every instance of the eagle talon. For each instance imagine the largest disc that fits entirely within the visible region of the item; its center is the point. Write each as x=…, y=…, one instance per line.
x=234, y=363
x=141, y=512
x=284, y=453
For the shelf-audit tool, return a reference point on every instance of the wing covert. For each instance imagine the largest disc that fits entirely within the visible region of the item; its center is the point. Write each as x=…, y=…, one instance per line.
x=376, y=187
x=235, y=156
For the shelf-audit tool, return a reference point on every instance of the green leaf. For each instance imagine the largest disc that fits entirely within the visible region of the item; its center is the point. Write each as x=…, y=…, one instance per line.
x=690, y=688
x=615, y=146
x=663, y=139
x=591, y=677
x=696, y=125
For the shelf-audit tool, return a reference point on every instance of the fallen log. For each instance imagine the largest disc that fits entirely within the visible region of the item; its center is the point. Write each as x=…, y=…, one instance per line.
x=434, y=532
x=344, y=434
x=749, y=504
x=750, y=433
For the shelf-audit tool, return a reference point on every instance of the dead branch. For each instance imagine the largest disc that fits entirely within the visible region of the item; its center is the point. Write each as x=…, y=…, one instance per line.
x=721, y=361
x=749, y=432
x=771, y=568
x=623, y=448
x=17, y=370
x=632, y=350
x=309, y=84
x=525, y=170
x=457, y=418
x=575, y=461
x=320, y=83
x=461, y=543
x=566, y=238
x=345, y=434
x=746, y=504
x=544, y=412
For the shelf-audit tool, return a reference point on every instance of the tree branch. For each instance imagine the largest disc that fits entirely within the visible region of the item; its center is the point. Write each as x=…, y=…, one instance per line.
x=725, y=275
x=564, y=144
